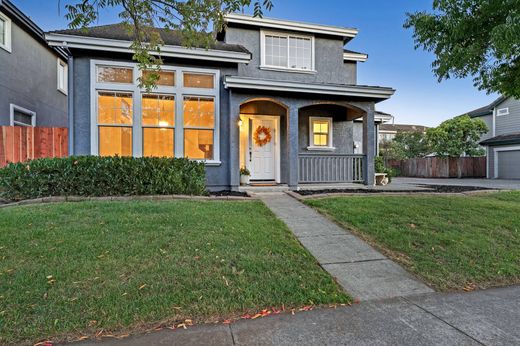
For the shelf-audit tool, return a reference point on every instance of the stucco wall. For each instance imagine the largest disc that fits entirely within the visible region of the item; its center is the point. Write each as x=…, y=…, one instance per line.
x=329, y=64
x=28, y=78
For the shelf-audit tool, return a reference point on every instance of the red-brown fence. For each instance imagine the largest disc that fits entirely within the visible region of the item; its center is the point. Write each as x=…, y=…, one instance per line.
x=20, y=143
x=438, y=167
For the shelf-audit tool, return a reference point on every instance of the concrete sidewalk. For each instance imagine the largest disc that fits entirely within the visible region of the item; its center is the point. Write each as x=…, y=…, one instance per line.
x=489, y=317
x=362, y=271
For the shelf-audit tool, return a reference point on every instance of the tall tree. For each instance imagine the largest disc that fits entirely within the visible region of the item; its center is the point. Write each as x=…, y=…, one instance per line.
x=405, y=145
x=478, y=38
x=196, y=20
x=457, y=137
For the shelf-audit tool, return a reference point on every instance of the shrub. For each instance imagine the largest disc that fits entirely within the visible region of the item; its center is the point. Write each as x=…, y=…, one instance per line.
x=381, y=168
x=101, y=176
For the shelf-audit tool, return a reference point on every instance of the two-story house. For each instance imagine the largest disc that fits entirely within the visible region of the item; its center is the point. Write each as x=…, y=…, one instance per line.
x=502, y=141
x=33, y=75
x=277, y=97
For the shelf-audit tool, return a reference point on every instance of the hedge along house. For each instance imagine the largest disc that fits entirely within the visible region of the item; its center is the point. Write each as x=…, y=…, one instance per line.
x=275, y=96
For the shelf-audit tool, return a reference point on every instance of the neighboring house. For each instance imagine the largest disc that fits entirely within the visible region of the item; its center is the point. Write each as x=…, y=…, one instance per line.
x=387, y=132
x=33, y=83
x=502, y=141
x=278, y=97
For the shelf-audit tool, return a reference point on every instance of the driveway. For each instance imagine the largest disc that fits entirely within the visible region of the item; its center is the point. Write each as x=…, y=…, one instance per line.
x=487, y=183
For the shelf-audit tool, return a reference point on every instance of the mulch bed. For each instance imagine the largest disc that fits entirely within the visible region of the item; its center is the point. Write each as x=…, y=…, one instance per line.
x=225, y=193
x=430, y=188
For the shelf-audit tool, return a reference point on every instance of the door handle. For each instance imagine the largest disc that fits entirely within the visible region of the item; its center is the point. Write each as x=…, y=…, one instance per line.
x=250, y=156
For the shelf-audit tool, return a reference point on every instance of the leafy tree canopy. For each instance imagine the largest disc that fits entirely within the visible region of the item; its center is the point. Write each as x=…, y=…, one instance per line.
x=405, y=145
x=479, y=38
x=457, y=137
x=196, y=20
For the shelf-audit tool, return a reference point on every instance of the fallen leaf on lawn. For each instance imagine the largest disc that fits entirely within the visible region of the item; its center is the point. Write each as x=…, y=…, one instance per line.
x=227, y=321
x=142, y=286
x=45, y=296
x=470, y=287
x=43, y=343
x=122, y=336
x=188, y=322
x=225, y=280
x=182, y=325
x=412, y=225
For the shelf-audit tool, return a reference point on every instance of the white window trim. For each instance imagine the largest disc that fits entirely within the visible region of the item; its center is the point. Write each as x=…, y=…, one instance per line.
x=8, y=38
x=179, y=91
x=502, y=111
x=13, y=108
x=264, y=66
x=65, y=88
x=313, y=147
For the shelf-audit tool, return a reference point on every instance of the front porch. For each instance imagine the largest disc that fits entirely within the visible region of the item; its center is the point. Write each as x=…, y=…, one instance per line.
x=289, y=142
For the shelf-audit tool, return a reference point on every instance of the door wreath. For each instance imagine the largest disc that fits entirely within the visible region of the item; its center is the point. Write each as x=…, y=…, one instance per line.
x=262, y=136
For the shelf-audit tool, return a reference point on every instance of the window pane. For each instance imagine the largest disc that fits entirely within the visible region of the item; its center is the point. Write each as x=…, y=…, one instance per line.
x=166, y=78
x=115, y=108
x=197, y=80
x=115, y=141
x=115, y=75
x=275, y=51
x=158, y=110
x=321, y=140
x=198, y=144
x=199, y=112
x=300, y=53
x=158, y=142
x=22, y=118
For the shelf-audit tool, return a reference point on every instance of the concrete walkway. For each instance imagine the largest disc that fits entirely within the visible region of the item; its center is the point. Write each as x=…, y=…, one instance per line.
x=489, y=317
x=498, y=184
x=362, y=271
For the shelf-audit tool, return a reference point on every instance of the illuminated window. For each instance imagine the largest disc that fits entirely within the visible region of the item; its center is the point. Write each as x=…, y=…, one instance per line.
x=115, y=119
x=198, y=80
x=166, y=78
x=122, y=75
x=158, y=120
x=199, y=125
x=320, y=132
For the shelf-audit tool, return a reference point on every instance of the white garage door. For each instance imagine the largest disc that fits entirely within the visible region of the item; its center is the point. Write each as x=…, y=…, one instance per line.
x=509, y=164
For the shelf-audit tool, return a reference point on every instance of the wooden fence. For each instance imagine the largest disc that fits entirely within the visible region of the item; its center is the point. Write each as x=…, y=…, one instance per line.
x=438, y=167
x=20, y=143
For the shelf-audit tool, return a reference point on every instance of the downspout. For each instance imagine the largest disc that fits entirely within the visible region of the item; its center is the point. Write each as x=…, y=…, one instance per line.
x=71, y=103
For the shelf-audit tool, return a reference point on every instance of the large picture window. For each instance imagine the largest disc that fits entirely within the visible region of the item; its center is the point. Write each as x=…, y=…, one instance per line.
x=199, y=122
x=287, y=51
x=115, y=118
x=178, y=118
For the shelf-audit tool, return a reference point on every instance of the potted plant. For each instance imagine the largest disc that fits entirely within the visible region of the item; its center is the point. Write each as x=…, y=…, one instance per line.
x=244, y=176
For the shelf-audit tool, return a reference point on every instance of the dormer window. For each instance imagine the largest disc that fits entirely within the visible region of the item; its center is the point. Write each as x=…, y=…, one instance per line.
x=287, y=51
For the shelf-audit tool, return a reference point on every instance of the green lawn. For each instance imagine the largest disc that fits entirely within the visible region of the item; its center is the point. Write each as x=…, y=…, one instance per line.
x=74, y=269
x=451, y=242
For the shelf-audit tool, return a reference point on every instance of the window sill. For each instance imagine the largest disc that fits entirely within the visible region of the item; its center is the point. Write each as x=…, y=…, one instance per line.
x=211, y=163
x=7, y=48
x=313, y=148
x=64, y=92
x=281, y=69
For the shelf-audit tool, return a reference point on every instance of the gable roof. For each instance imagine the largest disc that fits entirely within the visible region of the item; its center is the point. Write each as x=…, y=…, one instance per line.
x=486, y=110
x=264, y=22
x=119, y=32
x=402, y=128
x=28, y=25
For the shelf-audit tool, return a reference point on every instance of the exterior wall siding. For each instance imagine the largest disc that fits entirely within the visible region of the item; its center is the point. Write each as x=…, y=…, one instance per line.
x=29, y=80
x=329, y=64
x=510, y=123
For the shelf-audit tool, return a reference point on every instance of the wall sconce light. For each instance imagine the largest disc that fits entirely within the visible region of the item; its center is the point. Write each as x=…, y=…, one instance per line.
x=240, y=122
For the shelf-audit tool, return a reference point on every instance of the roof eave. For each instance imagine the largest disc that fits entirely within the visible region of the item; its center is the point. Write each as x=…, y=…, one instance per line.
x=378, y=93
x=358, y=57
x=345, y=33
x=102, y=44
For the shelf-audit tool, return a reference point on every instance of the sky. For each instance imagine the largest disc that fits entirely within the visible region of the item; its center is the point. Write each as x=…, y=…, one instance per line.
x=393, y=62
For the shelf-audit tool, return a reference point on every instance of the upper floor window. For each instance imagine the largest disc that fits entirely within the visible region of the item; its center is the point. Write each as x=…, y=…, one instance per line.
x=5, y=32
x=502, y=111
x=62, y=76
x=287, y=51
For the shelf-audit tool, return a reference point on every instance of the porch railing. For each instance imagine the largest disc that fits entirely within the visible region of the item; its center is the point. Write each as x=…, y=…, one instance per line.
x=330, y=168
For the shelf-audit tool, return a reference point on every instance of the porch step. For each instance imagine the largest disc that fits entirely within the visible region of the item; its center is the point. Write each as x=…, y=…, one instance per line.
x=259, y=189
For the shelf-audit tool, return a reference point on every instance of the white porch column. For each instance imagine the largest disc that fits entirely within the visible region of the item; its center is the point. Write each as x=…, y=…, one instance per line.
x=369, y=146
x=292, y=144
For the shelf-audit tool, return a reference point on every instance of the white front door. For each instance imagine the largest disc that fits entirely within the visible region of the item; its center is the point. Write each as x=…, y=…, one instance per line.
x=263, y=159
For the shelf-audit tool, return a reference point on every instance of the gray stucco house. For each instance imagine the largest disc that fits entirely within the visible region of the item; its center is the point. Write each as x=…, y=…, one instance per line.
x=33, y=83
x=278, y=97
x=502, y=141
